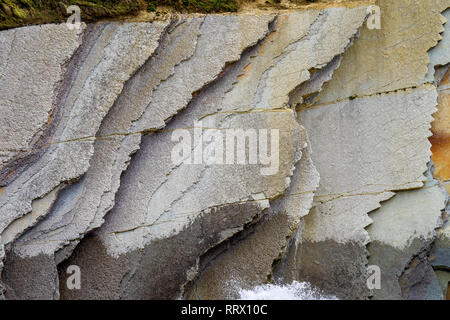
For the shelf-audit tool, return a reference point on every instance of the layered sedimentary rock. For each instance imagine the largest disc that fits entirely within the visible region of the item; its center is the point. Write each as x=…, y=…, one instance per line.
x=440, y=253
x=247, y=259
x=359, y=162
x=382, y=74
x=199, y=155
x=243, y=97
x=401, y=234
x=109, y=55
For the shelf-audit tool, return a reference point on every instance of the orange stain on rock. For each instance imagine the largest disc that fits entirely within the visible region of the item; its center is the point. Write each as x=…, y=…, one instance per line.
x=441, y=132
x=440, y=148
x=245, y=73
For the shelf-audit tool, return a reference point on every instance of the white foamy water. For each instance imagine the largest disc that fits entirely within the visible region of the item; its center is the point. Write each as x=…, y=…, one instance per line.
x=294, y=291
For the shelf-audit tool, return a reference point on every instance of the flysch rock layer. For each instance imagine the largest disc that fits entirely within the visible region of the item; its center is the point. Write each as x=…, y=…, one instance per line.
x=439, y=55
x=27, y=102
x=380, y=65
x=159, y=208
x=440, y=139
x=392, y=57
x=440, y=254
x=285, y=214
x=363, y=149
x=180, y=54
x=93, y=116
x=403, y=229
x=408, y=271
x=246, y=260
x=109, y=55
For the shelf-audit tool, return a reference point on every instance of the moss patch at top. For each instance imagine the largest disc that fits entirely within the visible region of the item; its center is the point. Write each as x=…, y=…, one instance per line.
x=16, y=13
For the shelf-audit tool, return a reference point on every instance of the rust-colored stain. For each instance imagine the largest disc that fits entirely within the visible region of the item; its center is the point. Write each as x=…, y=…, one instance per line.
x=2, y=189
x=445, y=79
x=440, y=148
x=245, y=73
x=50, y=118
x=7, y=176
x=448, y=291
x=224, y=70
x=441, y=132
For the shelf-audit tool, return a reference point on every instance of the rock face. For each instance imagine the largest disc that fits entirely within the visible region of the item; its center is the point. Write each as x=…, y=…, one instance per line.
x=196, y=156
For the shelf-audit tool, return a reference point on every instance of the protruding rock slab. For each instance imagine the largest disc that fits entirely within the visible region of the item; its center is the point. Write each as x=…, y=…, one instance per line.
x=32, y=65
x=247, y=259
x=402, y=229
x=109, y=55
x=159, y=206
x=392, y=57
x=364, y=149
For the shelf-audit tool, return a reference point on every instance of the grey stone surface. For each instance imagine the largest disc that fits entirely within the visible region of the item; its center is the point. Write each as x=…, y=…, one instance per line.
x=363, y=149
x=439, y=54
x=168, y=199
x=32, y=64
x=390, y=58
x=441, y=251
x=109, y=55
x=247, y=259
x=403, y=228
x=92, y=119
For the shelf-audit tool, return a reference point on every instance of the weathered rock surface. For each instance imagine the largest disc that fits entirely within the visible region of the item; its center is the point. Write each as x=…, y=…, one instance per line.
x=371, y=73
x=118, y=155
x=392, y=57
x=223, y=106
x=27, y=103
x=363, y=149
x=248, y=257
x=403, y=228
x=110, y=54
x=441, y=131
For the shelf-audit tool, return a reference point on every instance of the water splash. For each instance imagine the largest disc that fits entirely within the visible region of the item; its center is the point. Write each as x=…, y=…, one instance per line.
x=294, y=291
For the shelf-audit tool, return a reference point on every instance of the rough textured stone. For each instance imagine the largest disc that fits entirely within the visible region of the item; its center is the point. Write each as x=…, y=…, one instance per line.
x=439, y=54
x=109, y=55
x=441, y=133
x=247, y=259
x=440, y=140
x=402, y=229
x=164, y=206
x=28, y=81
x=393, y=57
x=88, y=178
x=363, y=149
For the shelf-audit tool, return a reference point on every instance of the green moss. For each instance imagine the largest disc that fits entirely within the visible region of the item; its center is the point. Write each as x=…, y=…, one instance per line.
x=15, y=13
x=205, y=6
x=151, y=5
x=352, y=97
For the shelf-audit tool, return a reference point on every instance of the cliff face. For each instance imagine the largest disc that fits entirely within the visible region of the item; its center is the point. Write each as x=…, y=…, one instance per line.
x=198, y=155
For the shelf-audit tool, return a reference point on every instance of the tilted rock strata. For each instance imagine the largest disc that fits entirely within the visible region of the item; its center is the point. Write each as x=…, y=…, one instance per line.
x=402, y=229
x=356, y=151
x=370, y=71
x=89, y=178
x=393, y=57
x=110, y=54
x=84, y=204
x=249, y=256
x=187, y=191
